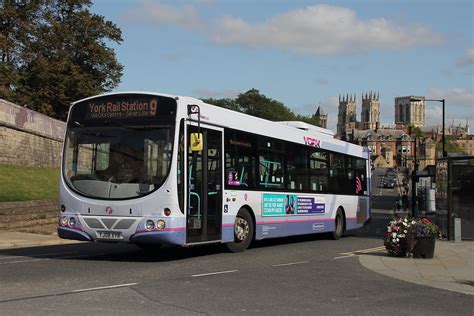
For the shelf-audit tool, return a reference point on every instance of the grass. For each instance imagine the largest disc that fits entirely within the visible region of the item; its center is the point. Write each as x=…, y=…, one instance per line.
x=19, y=183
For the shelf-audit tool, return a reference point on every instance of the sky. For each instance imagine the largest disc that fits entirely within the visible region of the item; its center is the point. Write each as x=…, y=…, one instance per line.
x=304, y=54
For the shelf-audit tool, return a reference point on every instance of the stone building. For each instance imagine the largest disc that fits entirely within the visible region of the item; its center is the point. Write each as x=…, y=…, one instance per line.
x=389, y=147
x=322, y=117
x=347, y=120
x=410, y=110
x=466, y=143
x=346, y=114
x=370, y=115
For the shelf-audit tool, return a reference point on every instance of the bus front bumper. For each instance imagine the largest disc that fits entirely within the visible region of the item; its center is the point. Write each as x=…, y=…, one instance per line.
x=74, y=234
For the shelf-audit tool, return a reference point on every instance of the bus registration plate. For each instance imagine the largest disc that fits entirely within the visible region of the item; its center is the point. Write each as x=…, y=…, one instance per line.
x=109, y=235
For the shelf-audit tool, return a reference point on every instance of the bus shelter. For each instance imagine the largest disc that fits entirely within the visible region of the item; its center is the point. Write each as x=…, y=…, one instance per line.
x=455, y=195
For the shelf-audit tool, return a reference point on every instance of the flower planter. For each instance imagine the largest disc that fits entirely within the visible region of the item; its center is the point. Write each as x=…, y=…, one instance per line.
x=424, y=247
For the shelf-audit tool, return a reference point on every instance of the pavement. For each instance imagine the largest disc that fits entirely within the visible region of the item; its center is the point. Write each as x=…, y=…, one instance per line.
x=452, y=267
x=10, y=240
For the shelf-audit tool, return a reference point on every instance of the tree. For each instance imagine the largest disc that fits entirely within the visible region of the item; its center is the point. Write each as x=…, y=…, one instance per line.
x=450, y=147
x=254, y=103
x=54, y=52
x=415, y=130
x=223, y=103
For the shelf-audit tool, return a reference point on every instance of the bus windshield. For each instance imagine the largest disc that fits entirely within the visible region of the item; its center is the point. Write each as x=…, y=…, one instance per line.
x=117, y=162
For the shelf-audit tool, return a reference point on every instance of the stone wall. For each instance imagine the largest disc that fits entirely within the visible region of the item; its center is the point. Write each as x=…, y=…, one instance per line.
x=30, y=216
x=28, y=138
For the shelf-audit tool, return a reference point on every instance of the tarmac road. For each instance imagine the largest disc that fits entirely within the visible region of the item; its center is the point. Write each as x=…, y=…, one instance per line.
x=304, y=275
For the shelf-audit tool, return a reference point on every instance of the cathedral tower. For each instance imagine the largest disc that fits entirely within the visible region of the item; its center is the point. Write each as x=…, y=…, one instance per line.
x=370, y=115
x=347, y=113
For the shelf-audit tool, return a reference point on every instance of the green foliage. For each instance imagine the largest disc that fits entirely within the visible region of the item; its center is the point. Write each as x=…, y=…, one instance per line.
x=415, y=130
x=450, y=147
x=27, y=183
x=224, y=103
x=54, y=52
x=254, y=103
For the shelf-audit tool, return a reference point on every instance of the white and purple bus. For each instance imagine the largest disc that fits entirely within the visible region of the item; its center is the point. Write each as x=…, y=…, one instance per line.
x=153, y=169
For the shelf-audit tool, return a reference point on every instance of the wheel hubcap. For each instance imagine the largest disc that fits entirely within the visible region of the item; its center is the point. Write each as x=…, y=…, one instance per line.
x=241, y=229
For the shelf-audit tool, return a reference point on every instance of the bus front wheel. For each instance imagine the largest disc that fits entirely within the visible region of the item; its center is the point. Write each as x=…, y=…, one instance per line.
x=339, y=225
x=243, y=232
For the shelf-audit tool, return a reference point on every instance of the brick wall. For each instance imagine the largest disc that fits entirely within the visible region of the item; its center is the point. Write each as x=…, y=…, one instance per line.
x=28, y=138
x=29, y=216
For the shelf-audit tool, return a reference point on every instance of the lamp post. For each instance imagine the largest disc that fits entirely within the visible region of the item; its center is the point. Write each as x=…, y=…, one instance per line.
x=443, y=140
x=413, y=180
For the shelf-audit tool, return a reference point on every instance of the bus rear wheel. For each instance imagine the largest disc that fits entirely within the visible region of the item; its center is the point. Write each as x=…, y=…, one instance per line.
x=243, y=232
x=339, y=225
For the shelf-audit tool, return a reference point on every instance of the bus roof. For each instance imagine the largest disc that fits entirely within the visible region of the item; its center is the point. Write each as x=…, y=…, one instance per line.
x=294, y=131
x=307, y=127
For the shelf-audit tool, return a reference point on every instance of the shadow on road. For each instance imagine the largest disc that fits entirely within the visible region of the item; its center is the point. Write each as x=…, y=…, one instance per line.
x=130, y=253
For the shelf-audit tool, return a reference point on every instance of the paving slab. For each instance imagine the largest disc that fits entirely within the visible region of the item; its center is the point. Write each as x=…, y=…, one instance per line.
x=450, y=269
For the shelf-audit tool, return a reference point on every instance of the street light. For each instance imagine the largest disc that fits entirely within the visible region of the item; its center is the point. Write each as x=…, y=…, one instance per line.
x=443, y=140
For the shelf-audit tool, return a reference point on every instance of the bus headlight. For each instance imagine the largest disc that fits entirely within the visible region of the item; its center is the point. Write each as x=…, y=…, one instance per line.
x=63, y=221
x=160, y=224
x=149, y=224
x=72, y=222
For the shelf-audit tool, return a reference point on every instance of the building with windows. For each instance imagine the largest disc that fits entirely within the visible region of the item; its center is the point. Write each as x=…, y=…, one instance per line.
x=388, y=147
x=410, y=110
x=466, y=143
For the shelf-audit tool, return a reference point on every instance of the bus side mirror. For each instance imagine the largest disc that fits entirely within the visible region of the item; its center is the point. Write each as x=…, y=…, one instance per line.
x=196, y=142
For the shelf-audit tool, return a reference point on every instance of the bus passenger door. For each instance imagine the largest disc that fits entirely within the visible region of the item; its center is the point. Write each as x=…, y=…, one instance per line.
x=204, y=189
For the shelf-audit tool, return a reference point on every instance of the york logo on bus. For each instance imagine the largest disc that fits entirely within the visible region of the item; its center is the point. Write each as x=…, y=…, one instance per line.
x=109, y=210
x=313, y=142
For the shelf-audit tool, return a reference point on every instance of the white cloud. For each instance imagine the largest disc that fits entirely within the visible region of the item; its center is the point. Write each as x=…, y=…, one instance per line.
x=323, y=29
x=204, y=2
x=185, y=16
x=454, y=96
x=332, y=112
x=315, y=30
x=322, y=82
x=467, y=59
x=205, y=93
x=459, y=106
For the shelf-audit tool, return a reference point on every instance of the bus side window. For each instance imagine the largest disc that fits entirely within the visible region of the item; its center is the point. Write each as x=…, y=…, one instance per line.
x=296, y=167
x=318, y=170
x=360, y=173
x=336, y=173
x=239, y=160
x=270, y=161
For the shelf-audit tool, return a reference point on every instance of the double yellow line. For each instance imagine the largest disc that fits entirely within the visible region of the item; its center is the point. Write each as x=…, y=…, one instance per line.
x=360, y=252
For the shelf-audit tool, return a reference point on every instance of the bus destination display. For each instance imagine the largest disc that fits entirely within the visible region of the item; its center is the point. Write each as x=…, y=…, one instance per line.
x=121, y=109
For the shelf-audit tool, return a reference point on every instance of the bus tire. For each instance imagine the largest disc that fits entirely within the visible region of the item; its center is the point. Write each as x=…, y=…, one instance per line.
x=339, y=225
x=243, y=232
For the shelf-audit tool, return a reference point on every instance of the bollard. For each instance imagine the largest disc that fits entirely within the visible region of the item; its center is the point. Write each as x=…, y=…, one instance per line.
x=457, y=229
